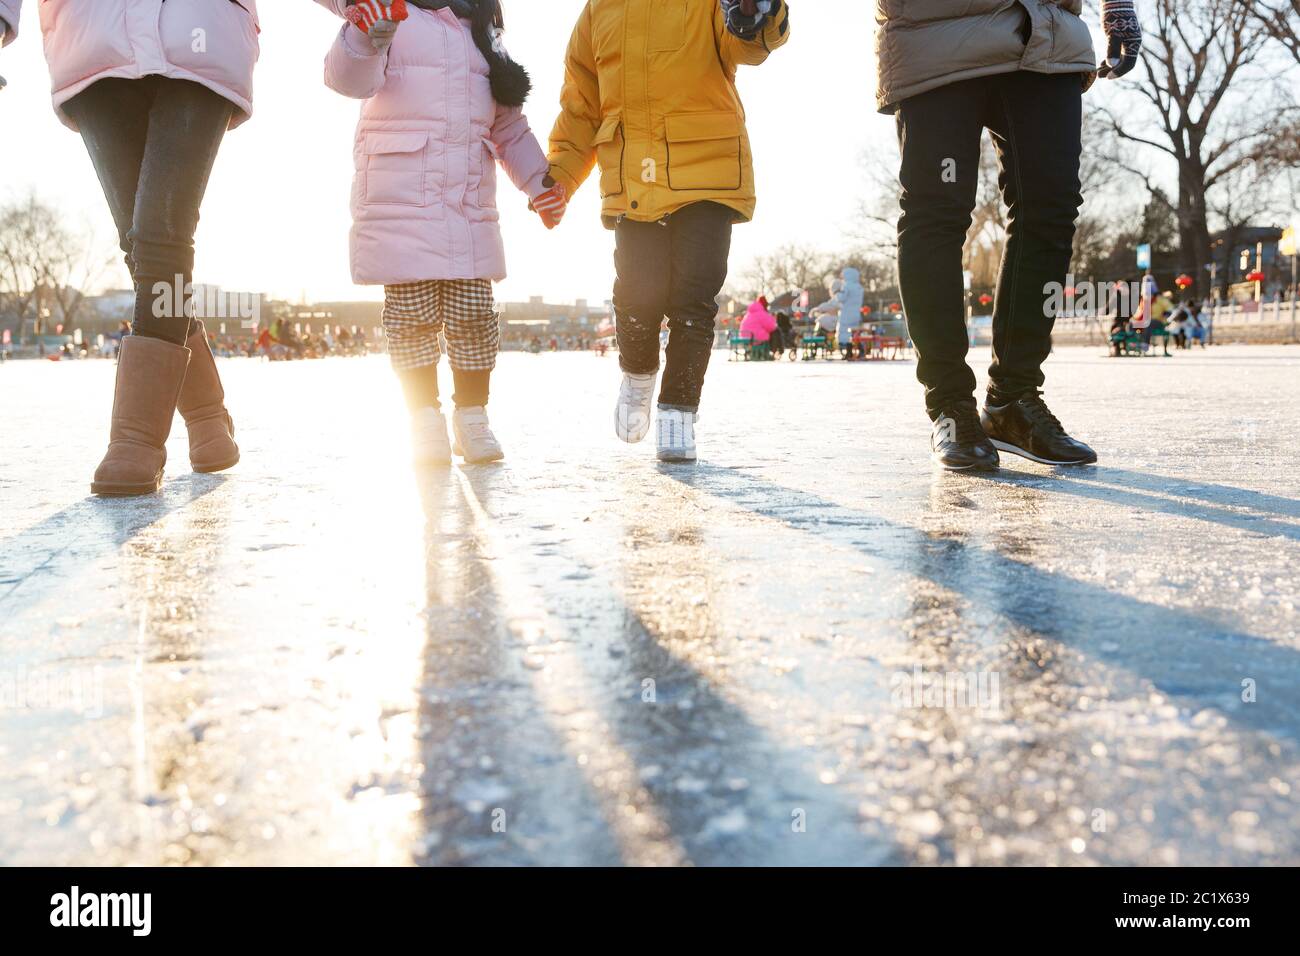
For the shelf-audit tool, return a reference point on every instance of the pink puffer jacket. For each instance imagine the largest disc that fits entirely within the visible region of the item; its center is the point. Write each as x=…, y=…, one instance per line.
x=758, y=323
x=430, y=136
x=204, y=41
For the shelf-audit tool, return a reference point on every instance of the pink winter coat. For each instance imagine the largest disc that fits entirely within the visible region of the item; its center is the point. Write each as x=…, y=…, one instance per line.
x=758, y=322
x=204, y=41
x=430, y=136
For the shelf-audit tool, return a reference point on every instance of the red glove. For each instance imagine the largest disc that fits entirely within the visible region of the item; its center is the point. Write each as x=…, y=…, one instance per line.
x=551, y=204
x=364, y=14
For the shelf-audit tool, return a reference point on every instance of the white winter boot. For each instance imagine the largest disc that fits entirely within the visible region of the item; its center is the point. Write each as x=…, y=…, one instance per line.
x=676, y=435
x=474, y=439
x=429, y=445
x=635, y=398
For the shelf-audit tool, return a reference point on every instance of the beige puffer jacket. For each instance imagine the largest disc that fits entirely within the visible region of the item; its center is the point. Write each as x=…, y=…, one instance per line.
x=925, y=44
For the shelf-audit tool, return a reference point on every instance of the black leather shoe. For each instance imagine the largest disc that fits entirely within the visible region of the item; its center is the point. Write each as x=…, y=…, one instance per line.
x=958, y=441
x=1027, y=427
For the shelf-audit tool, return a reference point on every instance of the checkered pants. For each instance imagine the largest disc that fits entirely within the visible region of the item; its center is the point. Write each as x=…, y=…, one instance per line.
x=461, y=309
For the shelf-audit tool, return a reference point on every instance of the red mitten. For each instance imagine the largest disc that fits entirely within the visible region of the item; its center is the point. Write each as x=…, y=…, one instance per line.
x=364, y=14
x=551, y=204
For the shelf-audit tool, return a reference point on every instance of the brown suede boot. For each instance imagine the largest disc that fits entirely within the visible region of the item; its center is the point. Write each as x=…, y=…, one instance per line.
x=202, y=402
x=149, y=377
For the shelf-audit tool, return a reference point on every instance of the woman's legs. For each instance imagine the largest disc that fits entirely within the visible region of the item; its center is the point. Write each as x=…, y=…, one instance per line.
x=153, y=143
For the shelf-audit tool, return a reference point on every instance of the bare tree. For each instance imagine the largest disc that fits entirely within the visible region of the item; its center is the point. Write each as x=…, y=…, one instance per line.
x=792, y=267
x=45, y=268
x=1198, y=106
x=1280, y=19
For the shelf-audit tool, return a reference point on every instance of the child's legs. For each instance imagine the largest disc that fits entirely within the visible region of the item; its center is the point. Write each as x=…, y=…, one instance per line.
x=412, y=320
x=701, y=244
x=643, y=262
x=473, y=338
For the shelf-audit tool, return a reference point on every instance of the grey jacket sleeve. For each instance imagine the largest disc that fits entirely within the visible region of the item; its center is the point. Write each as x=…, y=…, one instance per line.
x=10, y=10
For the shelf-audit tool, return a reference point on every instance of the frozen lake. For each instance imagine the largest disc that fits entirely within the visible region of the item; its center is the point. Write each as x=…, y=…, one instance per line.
x=808, y=648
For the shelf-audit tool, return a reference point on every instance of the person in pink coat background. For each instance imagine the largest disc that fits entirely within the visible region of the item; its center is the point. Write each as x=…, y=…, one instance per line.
x=758, y=323
x=442, y=107
x=152, y=86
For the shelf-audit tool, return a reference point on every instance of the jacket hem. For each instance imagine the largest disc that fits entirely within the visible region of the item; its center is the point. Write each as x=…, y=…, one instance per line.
x=243, y=107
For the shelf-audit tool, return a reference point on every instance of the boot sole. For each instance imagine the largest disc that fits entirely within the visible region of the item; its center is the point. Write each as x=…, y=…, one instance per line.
x=113, y=490
x=210, y=469
x=500, y=456
x=1016, y=450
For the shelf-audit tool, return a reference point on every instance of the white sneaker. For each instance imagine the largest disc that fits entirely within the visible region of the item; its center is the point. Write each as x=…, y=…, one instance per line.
x=635, y=397
x=676, y=435
x=429, y=445
x=474, y=439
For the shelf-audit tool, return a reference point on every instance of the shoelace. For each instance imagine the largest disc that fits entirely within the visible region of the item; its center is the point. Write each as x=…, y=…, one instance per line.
x=967, y=420
x=1036, y=411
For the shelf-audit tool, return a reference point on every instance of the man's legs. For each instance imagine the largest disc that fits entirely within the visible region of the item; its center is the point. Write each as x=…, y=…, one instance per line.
x=939, y=135
x=1036, y=121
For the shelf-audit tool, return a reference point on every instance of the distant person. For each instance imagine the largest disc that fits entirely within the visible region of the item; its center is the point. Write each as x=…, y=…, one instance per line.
x=758, y=323
x=650, y=80
x=850, y=296
x=1018, y=70
x=1206, y=318
x=153, y=110
x=783, y=337
x=430, y=77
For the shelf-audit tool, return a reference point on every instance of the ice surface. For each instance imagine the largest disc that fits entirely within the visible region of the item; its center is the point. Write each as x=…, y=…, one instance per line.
x=808, y=648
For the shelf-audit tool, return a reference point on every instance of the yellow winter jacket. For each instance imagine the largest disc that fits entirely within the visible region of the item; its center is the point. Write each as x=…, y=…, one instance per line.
x=650, y=95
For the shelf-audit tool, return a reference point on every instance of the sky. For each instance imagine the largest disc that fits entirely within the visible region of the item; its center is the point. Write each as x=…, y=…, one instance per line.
x=276, y=216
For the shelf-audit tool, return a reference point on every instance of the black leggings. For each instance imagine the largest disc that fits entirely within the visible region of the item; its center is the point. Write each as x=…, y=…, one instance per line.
x=675, y=267
x=153, y=142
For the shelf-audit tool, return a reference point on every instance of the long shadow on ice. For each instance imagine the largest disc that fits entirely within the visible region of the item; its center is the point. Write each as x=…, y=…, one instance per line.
x=1195, y=661
x=49, y=554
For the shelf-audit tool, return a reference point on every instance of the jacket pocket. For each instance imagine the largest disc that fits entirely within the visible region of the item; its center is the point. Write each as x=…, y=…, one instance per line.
x=704, y=151
x=395, y=168
x=668, y=28
x=610, y=144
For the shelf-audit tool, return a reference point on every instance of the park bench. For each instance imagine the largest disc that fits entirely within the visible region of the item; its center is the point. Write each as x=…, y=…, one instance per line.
x=812, y=345
x=743, y=348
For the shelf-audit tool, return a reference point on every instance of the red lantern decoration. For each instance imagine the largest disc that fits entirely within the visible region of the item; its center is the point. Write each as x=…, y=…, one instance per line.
x=1256, y=276
x=866, y=310
x=1071, y=291
x=1183, y=281
x=895, y=307
x=985, y=299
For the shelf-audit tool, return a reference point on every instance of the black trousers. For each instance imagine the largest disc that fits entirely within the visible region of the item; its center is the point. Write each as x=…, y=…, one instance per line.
x=675, y=267
x=1035, y=120
x=153, y=142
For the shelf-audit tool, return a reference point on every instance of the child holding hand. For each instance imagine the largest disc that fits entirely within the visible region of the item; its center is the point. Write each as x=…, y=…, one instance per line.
x=442, y=107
